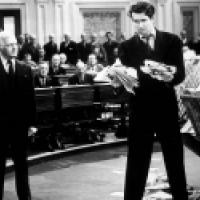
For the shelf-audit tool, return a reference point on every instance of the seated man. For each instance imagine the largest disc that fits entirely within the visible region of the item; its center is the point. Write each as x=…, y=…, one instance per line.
x=55, y=69
x=42, y=78
x=87, y=72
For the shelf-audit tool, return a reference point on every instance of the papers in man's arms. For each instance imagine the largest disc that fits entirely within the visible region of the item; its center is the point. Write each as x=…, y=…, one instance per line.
x=119, y=75
x=159, y=71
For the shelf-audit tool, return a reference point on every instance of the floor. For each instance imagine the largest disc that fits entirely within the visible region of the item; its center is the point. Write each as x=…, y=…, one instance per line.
x=94, y=175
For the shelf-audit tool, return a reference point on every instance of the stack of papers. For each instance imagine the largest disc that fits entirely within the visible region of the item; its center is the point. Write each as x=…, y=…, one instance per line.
x=118, y=76
x=157, y=70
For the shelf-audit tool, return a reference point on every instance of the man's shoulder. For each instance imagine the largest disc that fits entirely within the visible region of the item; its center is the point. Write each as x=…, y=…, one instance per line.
x=132, y=41
x=22, y=65
x=169, y=36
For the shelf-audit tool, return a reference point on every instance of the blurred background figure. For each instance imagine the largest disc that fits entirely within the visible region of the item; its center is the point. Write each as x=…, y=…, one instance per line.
x=41, y=55
x=88, y=72
x=31, y=47
x=84, y=48
x=183, y=36
x=92, y=68
x=42, y=79
x=98, y=49
x=109, y=47
x=50, y=48
x=55, y=68
x=122, y=38
x=69, y=48
x=197, y=45
x=28, y=61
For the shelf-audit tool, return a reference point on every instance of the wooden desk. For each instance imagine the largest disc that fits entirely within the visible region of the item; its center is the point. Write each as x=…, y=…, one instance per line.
x=45, y=99
x=76, y=95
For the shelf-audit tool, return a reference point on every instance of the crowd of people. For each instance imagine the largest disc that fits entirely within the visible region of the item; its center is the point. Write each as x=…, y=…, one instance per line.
x=50, y=59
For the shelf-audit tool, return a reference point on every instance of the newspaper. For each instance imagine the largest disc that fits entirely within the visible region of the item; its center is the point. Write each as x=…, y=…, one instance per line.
x=119, y=75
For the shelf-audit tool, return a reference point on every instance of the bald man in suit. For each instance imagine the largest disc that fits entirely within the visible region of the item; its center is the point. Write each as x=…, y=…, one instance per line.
x=17, y=105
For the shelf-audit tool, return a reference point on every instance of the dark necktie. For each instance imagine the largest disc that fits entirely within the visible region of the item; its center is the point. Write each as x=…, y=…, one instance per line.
x=147, y=39
x=11, y=70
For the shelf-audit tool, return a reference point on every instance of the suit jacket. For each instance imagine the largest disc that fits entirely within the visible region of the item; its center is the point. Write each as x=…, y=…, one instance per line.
x=83, y=51
x=153, y=97
x=17, y=102
x=109, y=48
x=70, y=50
x=50, y=49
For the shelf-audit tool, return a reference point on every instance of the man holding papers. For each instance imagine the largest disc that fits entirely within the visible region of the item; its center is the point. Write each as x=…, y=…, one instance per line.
x=157, y=57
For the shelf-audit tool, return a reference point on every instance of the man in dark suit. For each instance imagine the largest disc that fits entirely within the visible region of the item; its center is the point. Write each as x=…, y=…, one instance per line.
x=17, y=105
x=69, y=48
x=84, y=49
x=50, y=48
x=110, y=45
x=154, y=109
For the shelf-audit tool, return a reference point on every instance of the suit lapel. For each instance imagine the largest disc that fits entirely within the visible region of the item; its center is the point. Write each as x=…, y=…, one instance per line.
x=158, y=48
x=2, y=76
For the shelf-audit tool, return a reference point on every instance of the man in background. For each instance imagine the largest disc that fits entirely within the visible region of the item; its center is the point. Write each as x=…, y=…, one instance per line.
x=17, y=105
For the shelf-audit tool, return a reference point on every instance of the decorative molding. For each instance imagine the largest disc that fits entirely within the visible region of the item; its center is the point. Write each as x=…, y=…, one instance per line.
x=81, y=7
x=59, y=1
x=41, y=1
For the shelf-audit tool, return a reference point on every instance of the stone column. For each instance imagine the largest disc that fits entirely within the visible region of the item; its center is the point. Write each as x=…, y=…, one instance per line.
x=41, y=20
x=162, y=14
x=59, y=20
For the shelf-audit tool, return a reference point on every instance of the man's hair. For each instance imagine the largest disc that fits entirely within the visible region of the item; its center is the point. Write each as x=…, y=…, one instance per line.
x=4, y=35
x=142, y=7
x=107, y=33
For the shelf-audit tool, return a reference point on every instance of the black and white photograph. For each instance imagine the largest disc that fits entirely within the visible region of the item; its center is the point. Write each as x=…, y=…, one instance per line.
x=99, y=99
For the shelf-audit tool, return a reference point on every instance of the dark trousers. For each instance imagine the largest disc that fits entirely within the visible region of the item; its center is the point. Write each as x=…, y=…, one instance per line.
x=15, y=142
x=139, y=156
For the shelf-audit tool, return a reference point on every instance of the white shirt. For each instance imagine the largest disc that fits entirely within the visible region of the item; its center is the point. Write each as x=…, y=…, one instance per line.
x=6, y=65
x=151, y=40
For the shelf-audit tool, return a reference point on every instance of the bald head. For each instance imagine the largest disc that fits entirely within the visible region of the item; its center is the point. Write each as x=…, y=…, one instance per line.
x=8, y=45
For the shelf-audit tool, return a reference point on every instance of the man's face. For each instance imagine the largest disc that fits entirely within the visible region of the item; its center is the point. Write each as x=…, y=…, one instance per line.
x=44, y=70
x=9, y=47
x=92, y=60
x=51, y=38
x=143, y=24
x=56, y=61
x=109, y=36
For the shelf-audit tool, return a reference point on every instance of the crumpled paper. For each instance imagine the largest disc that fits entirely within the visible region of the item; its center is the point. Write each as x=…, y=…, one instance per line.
x=118, y=75
x=159, y=71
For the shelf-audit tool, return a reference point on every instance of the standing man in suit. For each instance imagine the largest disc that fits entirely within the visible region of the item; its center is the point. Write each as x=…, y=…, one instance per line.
x=110, y=45
x=83, y=48
x=69, y=48
x=154, y=108
x=17, y=105
x=50, y=48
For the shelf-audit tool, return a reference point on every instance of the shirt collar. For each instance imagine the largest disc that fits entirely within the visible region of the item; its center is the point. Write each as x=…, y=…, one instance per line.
x=151, y=34
x=5, y=61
